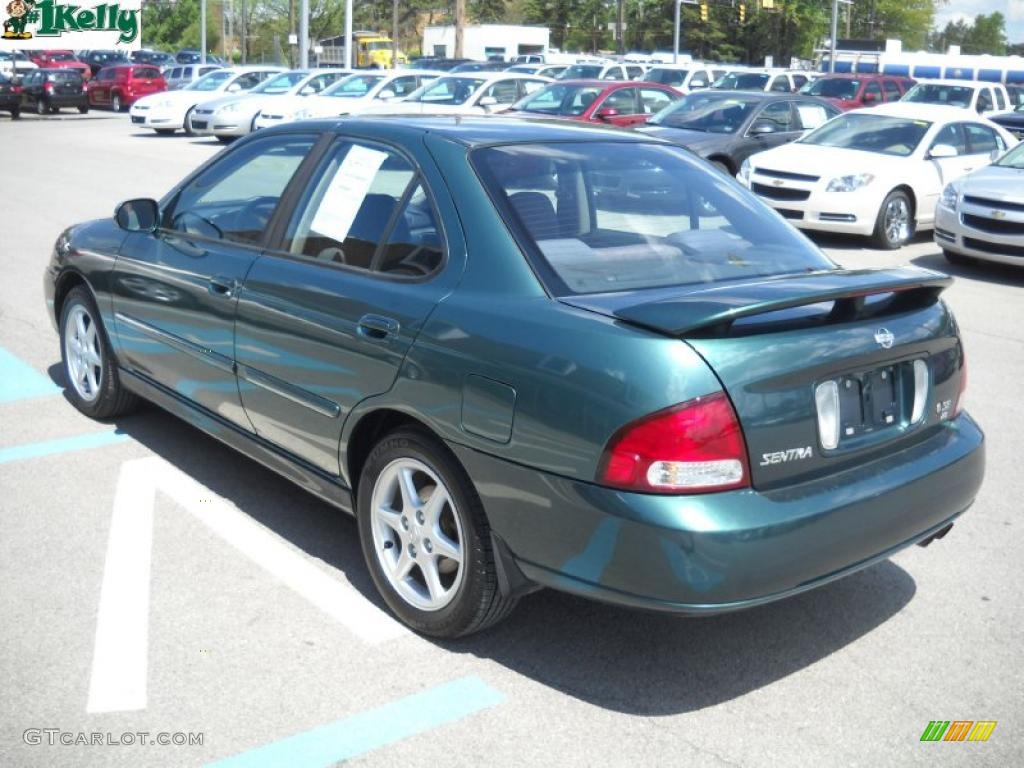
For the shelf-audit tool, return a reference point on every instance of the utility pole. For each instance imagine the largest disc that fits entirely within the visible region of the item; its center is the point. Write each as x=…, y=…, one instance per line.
x=835, y=32
x=620, y=22
x=244, y=34
x=675, y=32
x=394, y=34
x=348, y=34
x=460, y=25
x=304, y=34
x=291, y=29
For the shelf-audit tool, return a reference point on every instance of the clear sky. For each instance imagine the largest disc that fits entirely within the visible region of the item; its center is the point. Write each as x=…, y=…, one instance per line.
x=1013, y=10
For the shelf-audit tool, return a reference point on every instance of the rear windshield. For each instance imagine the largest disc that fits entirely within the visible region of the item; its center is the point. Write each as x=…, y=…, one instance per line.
x=742, y=81
x=708, y=112
x=63, y=76
x=871, y=133
x=666, y=76
x=146, y=73
x=833, y=89
x=599, y=217
x=581, y=72
x=934, y=93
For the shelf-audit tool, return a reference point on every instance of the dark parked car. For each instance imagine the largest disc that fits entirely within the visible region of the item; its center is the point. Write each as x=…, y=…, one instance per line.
x=121, y=86
x=97, y=60
x=49, y=90
x=597, y=101
x=1011, y=121
x=156, y=58
x=479, y=66
x=856, y=91
x=435, y=64
x=10, y=96
x=60, y=59
x=726, y=127
x=439, y=325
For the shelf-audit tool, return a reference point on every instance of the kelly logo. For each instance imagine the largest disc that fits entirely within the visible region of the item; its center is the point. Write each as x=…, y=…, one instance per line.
x=53, y=19
x=958, y=730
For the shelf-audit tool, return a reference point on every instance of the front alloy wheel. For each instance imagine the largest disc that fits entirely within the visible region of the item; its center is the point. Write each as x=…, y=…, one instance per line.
x=895, y=223
x=83, y=353
x=116, y=104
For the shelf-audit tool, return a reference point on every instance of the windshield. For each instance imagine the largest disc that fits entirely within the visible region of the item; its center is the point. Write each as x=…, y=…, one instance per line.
x=936, y=93
x=447, y=90
x=353, y=86
x=581, y=72
x=281, y=83
x=1013, y=159
x=558, y=99
x=598, y=216
x=707, y=112
x=210, y=82
x=840, y=88
x=666, y=76
x=871, y=133
x=742, y=81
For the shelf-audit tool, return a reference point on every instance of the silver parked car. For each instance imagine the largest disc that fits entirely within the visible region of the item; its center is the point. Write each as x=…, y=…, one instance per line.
x=981, y=215
x=180, y=75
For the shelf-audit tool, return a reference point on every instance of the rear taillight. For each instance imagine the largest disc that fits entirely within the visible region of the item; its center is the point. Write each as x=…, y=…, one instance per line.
x=695, y=447
x=48, y=87
x=963, y=384
x=15, y=89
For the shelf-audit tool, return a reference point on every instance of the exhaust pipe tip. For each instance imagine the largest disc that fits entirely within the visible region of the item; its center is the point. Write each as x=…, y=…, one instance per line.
x=935, y=536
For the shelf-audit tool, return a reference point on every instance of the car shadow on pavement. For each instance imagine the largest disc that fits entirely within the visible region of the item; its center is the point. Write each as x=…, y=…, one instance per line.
x=624, y=660
x=855, y=243
x=987, y=271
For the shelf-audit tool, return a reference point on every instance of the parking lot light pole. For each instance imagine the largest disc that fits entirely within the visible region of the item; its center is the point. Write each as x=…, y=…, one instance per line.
x=835, y=31
x=202, y=32
x=678, y=24
x=303, y=34
x=348, y=34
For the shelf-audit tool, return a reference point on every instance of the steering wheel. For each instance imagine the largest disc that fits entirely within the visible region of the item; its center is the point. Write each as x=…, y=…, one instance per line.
x=257, y=211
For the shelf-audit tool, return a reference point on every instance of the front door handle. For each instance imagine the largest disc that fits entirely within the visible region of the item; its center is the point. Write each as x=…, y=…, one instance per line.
x=224, y=287
x=377, y=327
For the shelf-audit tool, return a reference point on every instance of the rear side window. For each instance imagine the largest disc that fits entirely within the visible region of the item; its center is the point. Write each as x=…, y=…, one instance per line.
x=367, y=210
x=601, y=216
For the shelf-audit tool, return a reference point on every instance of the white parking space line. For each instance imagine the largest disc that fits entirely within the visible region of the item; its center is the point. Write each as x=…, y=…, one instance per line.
x=120, y=658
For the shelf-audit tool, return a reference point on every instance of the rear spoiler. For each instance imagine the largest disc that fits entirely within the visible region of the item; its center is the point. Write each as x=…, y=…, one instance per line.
x=712, y=310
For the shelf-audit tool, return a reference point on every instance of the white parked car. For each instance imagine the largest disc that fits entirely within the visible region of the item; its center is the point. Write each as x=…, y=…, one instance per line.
x=234, y=114
x=544, y=70
x=177, y=76
x=469, y=93
x=685, y=78
x=983, y=98
x=15, y=63
x=602, y=71
x=981, y=216
x=875, y=171
x=350, y=95
x=773, y=81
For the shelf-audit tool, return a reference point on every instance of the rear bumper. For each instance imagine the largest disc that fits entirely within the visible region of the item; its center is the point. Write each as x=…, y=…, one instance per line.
x=720, y=552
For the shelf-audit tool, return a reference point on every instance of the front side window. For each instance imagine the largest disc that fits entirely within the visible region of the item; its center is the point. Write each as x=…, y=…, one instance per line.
x=951, y=135
x=872, y=93
x=235, y=198
x=1000, y=99
x=708, y=113
x=778, y=115
x=892, y=91
x=451, y=91
x=810, y=115
x=871, y=133
x=982, y=140
x=281, y=83
x=210, y=82
x=503, y=92
x=623, y=101
x=558, y=99
x=353, y=86
x=367, y=210
x=653, y=100
x=599, y=216
x=401, y=86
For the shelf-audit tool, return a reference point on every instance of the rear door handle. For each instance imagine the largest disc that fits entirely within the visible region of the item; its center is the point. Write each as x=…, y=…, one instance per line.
x=224, y=287
x=377, y=327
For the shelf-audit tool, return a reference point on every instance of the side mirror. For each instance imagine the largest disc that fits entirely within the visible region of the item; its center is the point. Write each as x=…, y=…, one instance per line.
x=608, y=112
x=309, y=90
x=487, y=102
x=139, y=215
x=942, y=151
x=761, y=127
x=234, y=87
x=386, y=95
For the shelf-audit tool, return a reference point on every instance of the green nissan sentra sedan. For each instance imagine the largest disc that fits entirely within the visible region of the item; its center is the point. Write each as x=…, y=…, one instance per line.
x=529, y=354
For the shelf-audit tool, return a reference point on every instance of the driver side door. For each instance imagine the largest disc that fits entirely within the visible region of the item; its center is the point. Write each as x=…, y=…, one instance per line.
x=175, y=290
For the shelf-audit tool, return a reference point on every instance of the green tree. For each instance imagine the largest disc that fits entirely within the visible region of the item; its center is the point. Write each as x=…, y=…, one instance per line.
x=906, y=20
x=173, y=25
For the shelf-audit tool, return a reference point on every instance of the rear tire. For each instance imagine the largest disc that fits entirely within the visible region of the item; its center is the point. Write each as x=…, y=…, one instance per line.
x=116, y=104
x=41, y=107
x=94, y=387
x=895, y=223
x=165, y=131
x=15, y=113
x=406, y=530
x=84, y=109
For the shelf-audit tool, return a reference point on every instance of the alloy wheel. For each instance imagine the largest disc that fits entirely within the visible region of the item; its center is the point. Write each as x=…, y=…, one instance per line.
x=417, y=534
x=84, y=353
x=897, y=220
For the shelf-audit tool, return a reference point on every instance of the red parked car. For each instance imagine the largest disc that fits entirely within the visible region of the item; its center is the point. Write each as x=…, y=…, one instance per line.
x=856, y=91
x=59, y=59
x=622, y=102
x=120, y=86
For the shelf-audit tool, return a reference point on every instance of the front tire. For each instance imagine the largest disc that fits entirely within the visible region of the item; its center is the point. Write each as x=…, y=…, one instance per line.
x=41, y=107
x=895, y=223
x=165, y=131
x=84, y=110
x=116, y=104
x=426, y=539
x=94, y=387
x=188, y=123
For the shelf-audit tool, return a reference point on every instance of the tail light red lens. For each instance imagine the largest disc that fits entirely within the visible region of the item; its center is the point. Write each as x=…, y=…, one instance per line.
x=15, y=89
x=695, y=447
x=48, y=87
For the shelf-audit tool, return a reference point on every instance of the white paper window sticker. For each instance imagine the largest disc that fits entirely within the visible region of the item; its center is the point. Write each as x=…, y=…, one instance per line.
x=346, y=192
x=811, y=115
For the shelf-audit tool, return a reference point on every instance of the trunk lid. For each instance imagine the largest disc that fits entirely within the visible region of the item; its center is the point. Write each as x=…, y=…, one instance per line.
x=773, y=341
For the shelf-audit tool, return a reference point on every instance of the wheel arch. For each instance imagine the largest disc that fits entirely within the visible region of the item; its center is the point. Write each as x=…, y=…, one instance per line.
x=65, y=282
x=724, y=160
x=909, y=190
x=366, y=432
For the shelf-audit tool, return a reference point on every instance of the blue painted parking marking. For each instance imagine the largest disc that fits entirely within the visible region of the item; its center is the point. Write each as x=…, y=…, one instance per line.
x=373, y=729
x=19, y=380
x=60, y=445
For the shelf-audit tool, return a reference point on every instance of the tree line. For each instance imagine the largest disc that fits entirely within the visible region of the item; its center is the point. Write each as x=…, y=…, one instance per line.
x=734, y=31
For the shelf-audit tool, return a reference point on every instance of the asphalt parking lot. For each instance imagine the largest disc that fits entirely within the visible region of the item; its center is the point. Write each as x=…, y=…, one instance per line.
x=253, y=623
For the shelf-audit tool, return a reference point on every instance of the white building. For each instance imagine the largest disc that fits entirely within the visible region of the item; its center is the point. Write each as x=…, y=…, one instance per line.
x=486, y=41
